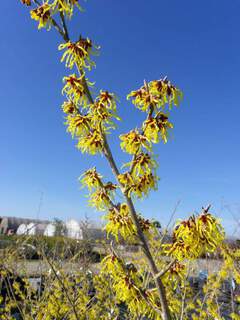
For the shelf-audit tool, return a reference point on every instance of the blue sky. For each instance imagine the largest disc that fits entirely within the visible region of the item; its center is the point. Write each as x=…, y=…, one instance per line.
x=196, y=44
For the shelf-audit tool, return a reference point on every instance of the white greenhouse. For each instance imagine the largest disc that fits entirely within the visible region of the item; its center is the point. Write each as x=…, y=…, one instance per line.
x=50, y=230
x=22, y=229
x=31, y=229
x=73, y=229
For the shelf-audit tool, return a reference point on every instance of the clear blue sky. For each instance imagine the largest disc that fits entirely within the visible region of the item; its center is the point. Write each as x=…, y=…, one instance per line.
x=195, y=43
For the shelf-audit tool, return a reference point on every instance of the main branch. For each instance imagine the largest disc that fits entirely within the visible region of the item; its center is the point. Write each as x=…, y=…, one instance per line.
x=109, y=156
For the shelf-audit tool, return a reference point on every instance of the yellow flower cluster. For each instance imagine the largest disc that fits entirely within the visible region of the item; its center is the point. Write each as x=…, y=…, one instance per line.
x=108, y=99
x=142, y=98
x=151, y=98
x=86, y=120
x=138, y=185
x=101, y=193
x=175, y=275
x=91, y=143
x=75, y=90
x=144, y=184
x=65, y=6
x=133, y=141
x=127, y=283
x=231, y=263
x=103, y=110
x=55, y=303
x=69, y=107
x=42, y=14
x=91, y=179
x=87, y=128
x=89, y=136
x=142, y=163
x=156, y=95
x=166, y=92
x=120, y=223
x=78, y=125
x=157, y=128
x=195, y=236
x=101, y=198
x=78, y=54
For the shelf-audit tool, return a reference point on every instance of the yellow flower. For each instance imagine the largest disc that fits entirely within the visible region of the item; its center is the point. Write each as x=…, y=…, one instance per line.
x=120, y=222
x=175, y=275
x=108, y=99
x=103, y=193
x=141, y=163
x=139, y=185
x=127, y=284
x=101, y=198
x=133, y=141
x=126, y=179
x=100, y=115
x=157, y=127
x=42, y=14
x=143, y=99
x=78, y=53
x=69, y=107
x=143, y=185
x=78, y=125
x=66, y=6
x=235, y=316
x=103, y=110
x=195, y=236
x=210, y=231
x=99, y=112
x=156, y=94
x=91, y=179
x=91, y=143
x=166, y=92
x=75, y=90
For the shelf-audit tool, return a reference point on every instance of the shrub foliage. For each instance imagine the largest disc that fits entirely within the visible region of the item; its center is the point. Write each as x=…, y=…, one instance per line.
x=156, y=283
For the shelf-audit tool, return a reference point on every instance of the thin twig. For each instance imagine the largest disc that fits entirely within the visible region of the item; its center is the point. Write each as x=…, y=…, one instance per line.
x=64, y=25
x=164, y=271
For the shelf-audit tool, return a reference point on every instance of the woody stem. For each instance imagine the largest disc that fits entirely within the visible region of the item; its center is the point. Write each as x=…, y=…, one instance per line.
x=109, y=156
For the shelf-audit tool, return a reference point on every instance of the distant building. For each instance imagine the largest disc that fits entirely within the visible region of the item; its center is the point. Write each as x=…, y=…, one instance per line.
x=22, y=229
x=10, y=225
x=36, y=229
x=50, y=230
x=73, y=229
x=22, y=226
